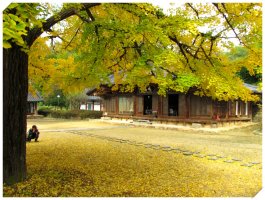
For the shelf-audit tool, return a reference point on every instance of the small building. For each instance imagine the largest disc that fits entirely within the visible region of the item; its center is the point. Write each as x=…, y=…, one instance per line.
x=32, y=104
x=92, y=103
x=174, y=107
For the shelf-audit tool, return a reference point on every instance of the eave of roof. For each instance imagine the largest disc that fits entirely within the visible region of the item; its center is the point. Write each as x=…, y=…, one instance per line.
x=34, y=97
x=94, y=98
x=252, y=88
x=90, y=91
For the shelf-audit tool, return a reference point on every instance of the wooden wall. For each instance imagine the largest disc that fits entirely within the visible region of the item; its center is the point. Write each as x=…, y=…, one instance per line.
x=200, y=106
x=155, y=102
x=189, y=106
x=109, y=104
x=165, y=105
x=31, y=108
x=182, y=106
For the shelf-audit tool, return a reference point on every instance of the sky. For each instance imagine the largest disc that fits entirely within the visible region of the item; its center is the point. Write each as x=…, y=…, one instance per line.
x=166, y=5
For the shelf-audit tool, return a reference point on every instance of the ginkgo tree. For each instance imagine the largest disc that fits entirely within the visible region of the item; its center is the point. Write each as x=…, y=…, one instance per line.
x=23, y=23
x=173, y=51
x=137, y=43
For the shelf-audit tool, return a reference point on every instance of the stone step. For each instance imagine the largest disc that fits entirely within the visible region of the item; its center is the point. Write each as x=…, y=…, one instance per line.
x=143, y=121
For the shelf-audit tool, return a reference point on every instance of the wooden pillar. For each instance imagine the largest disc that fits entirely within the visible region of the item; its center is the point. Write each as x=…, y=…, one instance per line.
x=135, y=105
x=250, y=110
x=236, y=108
x=142, y=105
x=227, y=110
x=213, y=108
x=117, y=105
x=35, y=108
x=31, y=107
x=187, y=105
x=246, y=109
x=159, y=106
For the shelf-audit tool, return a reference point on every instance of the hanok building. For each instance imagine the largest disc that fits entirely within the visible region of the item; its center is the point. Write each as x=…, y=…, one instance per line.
x=92, y=103
x=172, y=108
x=32, y=104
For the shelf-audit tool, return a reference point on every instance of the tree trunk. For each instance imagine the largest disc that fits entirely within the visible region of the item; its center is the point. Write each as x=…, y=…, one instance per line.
x=15, y=90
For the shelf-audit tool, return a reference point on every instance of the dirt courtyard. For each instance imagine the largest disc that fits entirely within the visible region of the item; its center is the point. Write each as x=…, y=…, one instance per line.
x=239, y=143
x=83, y=158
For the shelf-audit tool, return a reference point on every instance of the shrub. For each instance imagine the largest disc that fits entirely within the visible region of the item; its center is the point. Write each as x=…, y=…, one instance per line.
x=44, y=111
x=55, y=114
x=68, y=114
x=91, y=114
x=44, y=107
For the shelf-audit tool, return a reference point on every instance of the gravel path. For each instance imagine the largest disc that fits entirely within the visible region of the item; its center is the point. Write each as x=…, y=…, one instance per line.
x=186, y=152
x=241, y=145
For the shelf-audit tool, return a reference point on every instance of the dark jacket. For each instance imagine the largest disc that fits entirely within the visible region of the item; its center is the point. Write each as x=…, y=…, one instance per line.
x=33, y=134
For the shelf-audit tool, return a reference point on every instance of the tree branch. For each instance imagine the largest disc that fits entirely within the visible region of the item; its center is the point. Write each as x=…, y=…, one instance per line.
x=168, y=71
x=197, y=13
x=174, y=39
x=89, y=14
x=197, y=51
x=138, y=48
x=35, y=32
x=207, y=57
x=82, y=18
x=194, y=41
x=227, y=21
x=73, y=37
x=180, y=45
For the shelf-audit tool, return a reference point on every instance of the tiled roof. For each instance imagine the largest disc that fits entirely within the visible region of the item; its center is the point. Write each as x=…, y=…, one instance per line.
x=34, y=97
x=94, y=98
x=253, y=88
x=91, y=90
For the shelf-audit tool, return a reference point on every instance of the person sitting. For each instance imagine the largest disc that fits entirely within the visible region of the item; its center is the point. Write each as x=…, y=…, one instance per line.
x=33, y=133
